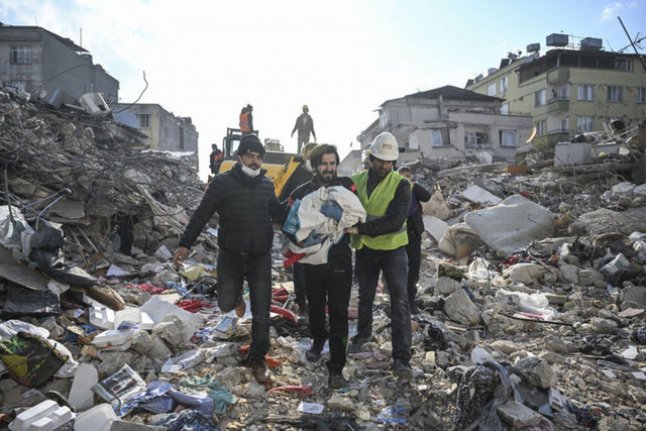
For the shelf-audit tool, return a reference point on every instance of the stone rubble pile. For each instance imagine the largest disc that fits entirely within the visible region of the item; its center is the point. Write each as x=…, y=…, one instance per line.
x=532, y=299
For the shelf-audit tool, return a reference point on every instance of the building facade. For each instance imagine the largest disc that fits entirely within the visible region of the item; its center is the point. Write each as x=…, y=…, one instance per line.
x=46, y=65
x=450, y=123
x=568, y=91
x=166, y=131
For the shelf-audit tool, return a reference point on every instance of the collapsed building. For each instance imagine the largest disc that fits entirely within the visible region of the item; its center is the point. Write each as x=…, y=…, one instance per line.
x=532, y=297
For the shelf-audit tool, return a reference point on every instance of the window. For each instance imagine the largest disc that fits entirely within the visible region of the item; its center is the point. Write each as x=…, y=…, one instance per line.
x=181, y=138
x=540, y=128
x=624, y=64
x=563, y=92
x=491, y=89
x=144, y=120
x=640, y=97
x=507, y=138
x=504, y=85
x=384, y=119
x=539, y=98
x=504, y=108
x=615, y=93
x=436, y=138
x=584, y=92
x=565, y=124
x=20, y=55
x=583, y=124
x=475, y=139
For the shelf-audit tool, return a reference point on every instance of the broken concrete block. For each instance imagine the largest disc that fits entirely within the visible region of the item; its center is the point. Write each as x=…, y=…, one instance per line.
x=572, y=153
x=603, y=326
x=634, y=294
x=569, y=273
x=459, y=307
x=517, y=415
x=446, y=286
x=339, y=402
x=436, y=227
x=536, y=371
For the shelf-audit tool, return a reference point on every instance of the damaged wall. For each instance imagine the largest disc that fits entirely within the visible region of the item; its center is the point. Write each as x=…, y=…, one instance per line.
x=48, y=62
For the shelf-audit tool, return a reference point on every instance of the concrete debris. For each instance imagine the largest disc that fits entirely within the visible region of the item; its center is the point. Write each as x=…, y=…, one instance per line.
x=532, y=297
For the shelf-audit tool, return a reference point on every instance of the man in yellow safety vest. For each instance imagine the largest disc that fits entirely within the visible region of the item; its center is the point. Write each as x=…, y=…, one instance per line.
x=381, y=246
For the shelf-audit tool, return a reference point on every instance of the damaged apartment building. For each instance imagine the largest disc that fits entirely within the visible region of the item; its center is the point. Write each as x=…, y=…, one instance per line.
x=39, y=64
x=571, y=89
x=165, y=131
x=450, y=123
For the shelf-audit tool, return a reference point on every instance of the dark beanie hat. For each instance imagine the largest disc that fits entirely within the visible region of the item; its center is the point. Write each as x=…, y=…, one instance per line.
x=250, y=143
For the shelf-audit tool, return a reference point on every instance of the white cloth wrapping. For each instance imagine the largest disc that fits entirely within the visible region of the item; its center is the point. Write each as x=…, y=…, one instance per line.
x=313, y=221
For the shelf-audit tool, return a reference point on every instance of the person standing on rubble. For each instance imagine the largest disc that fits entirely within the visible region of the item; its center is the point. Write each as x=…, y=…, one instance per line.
x=328, y=284
x=245, y=202
x=305, y=126
x=414, y=228
x=246, y=120
x=381, y=246
x=301, y=175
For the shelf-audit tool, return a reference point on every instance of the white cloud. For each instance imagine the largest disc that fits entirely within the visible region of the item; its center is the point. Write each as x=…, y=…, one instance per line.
x=611, y=11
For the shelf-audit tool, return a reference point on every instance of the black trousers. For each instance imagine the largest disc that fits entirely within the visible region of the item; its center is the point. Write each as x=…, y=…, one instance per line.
x=414, y=253
x=330, y=285
x=394, y=265
x=299, y=286
x=233, y=268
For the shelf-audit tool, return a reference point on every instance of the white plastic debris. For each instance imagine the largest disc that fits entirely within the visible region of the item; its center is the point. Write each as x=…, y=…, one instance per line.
x=45, y=416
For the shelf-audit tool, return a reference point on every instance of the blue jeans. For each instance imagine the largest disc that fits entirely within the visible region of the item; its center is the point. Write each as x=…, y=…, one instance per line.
x=394, y=264
x=233, y=268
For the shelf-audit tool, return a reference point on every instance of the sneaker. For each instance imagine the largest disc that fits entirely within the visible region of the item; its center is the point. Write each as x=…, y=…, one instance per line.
x=259, y=371
x=314, y=353
x=241, y=308
x=337, y=381
x=356, y=344
x=402, y=370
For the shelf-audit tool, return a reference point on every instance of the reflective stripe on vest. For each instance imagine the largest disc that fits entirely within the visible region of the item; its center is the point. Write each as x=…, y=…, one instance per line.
x=376, y=206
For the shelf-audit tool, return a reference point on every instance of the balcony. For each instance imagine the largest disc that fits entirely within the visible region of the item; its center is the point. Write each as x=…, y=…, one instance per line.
x=558, y=76
x=555, y=104
x=558, y=135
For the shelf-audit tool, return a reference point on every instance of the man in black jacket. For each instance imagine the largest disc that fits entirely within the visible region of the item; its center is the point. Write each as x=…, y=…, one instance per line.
x=415, y=228
x=330, y=283
x=245, y=202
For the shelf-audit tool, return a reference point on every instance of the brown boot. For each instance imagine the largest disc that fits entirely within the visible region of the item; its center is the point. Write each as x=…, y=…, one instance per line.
x=241, y=308
x=259, y=371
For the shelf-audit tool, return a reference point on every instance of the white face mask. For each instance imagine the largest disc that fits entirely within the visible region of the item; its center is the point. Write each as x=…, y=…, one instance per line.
x=249, y=171
x=308, y=165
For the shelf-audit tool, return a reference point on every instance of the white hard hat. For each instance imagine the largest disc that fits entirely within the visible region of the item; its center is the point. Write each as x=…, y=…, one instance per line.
x=384, y=147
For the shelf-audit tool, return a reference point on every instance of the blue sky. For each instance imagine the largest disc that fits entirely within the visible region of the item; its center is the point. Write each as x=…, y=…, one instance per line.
x=343, y=58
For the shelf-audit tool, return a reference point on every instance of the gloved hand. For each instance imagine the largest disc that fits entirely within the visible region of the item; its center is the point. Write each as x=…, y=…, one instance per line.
x=332, y=210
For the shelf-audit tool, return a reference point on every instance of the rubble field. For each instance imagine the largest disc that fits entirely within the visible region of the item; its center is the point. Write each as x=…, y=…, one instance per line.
x=532, y=297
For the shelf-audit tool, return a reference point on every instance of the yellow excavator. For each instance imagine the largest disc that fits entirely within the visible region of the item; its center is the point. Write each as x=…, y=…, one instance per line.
x=279, y=164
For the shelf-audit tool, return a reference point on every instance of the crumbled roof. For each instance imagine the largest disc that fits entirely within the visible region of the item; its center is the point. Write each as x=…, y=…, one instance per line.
x=449, y=92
